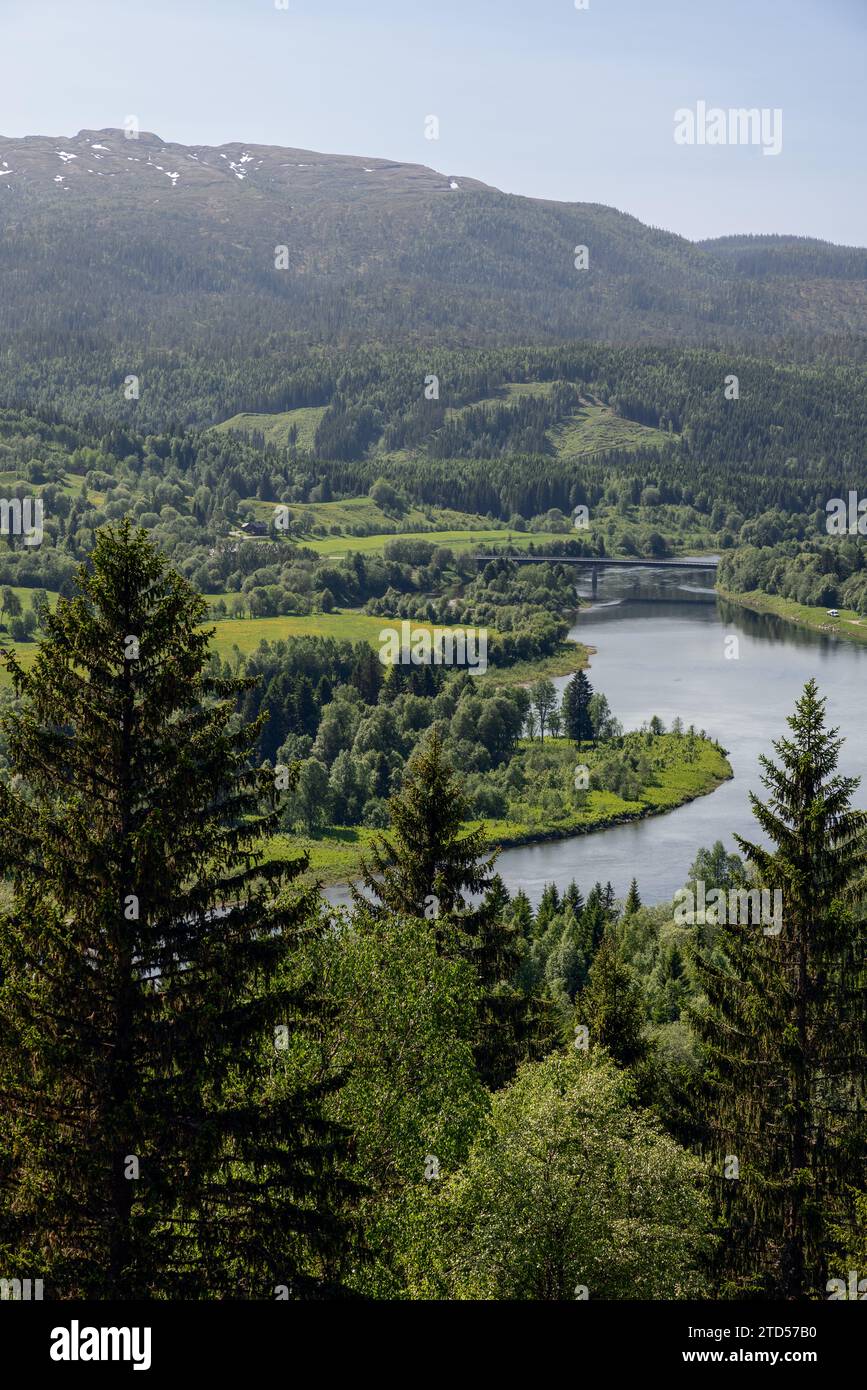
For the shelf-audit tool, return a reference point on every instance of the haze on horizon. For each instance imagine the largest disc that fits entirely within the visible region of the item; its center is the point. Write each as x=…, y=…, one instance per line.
x=540, y=99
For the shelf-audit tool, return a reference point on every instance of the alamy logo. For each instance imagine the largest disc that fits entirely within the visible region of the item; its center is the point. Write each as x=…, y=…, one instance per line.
x=856, y=1288
x=846, y=516
x=740, y=906
x=19, y=518
x=438, y=646
x=737, y=126
x=20, y=1290
x=77, y=1343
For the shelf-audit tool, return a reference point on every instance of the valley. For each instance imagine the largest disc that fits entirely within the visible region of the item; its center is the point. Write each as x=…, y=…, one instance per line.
x=433, y=615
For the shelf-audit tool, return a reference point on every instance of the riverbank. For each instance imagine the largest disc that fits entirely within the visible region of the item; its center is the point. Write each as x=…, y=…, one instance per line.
x=569, y=657
x=334, y=854
x=847, y=625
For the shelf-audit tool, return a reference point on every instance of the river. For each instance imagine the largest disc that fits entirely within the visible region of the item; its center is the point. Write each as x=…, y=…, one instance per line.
x=661, y=642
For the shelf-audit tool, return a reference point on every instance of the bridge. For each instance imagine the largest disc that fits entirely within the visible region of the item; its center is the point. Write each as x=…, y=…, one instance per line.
x=597, y=562
x=708, y=562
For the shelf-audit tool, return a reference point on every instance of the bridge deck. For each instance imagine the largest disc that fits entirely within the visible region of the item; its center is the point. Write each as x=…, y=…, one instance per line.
x=602, y=562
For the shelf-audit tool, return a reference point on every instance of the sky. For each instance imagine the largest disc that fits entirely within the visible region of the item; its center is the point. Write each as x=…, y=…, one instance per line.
x=541, y=98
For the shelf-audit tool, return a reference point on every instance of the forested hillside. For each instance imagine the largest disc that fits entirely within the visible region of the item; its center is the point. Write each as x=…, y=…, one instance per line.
x=259, y=251
x=645, y=438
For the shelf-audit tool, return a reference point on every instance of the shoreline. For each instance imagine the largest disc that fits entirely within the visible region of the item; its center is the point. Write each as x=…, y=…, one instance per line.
x=354, y=840
x=848, y=626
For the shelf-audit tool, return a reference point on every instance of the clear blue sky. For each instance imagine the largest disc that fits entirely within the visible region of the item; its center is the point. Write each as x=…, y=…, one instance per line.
x=533, y=96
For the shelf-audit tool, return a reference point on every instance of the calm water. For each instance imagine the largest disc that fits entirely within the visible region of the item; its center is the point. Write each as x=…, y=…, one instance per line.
x=661, y=642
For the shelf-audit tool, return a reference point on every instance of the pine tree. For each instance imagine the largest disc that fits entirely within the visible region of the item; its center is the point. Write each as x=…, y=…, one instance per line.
x=367, y=673
x=576, y=709
x=594, y=920
x=521, y=914
x=612, y=1005
x=785, y=1026
x=633, y=899
x=549, y=906
x=514, y=1025
x=305, y=708
x=429, y=866
x=147, y=969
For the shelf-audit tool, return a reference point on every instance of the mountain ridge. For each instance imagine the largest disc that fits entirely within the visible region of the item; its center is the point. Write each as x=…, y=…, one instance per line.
x=118, y=246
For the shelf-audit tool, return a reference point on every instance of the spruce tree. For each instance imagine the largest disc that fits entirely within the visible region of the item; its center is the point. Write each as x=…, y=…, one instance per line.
x=549, y=906
x=785, y=1022
x=612, y=1004
x=594, y=920
x=367, y=673
x=429, y=866
x=633, y=899
x=573, y=898
x=148, y=971
x=576, y=709
x=521, y=914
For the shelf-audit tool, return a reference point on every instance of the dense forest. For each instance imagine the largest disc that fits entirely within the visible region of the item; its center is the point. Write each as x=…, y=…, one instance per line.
x=171, y=250
x=820, y=573
x=755, y=470
x=215, y=1085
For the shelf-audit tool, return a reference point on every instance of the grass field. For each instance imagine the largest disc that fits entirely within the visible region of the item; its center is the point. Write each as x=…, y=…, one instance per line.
x=71, y=485
x=247, y=633
x=592, y=428
x=848, y=625
x=511, y=392
x=351, y=625
x=25, y=595
x=597, y=427
x=484, y=540
x=440, y=525
x=26, y=651
x=355, y=511
x=275, y=428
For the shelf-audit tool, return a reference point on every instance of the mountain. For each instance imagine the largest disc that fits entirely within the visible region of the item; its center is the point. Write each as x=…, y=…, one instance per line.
x=114, y=248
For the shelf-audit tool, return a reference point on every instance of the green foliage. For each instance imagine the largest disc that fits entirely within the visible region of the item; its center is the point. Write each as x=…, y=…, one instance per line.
x=569, y=1191
x=141, y=958
x=785, y=1021
x=429, y=867
x=612, y=1005
x=818, y=573
x=400, y=1035
x=577, y=722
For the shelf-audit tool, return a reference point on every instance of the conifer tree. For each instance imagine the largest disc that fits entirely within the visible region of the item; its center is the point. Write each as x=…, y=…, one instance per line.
x=521, y=914
x=633, y=899
x=785, y=1024
x=515, y=1025
x=573, y=898
x=549, y=906
x=147, y=978
x=612, y=1004
x=367, y=673
x=429, y=866
x=576, y=709
x=594, y=920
